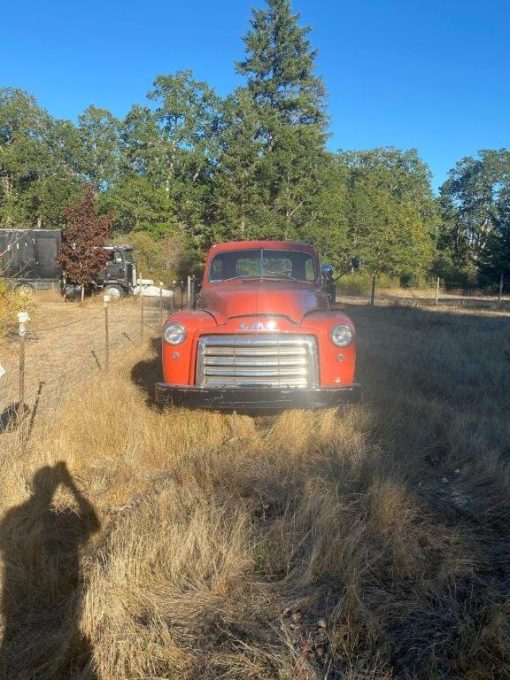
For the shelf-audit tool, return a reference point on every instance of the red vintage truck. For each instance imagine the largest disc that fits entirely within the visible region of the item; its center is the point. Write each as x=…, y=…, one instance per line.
x=261, y=336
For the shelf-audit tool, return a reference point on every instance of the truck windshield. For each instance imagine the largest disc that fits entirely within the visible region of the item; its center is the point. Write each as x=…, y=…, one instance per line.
x=261, y=263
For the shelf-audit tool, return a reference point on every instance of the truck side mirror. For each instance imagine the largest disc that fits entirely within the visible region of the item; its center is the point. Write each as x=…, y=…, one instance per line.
x=327, y=282
x=326, y=272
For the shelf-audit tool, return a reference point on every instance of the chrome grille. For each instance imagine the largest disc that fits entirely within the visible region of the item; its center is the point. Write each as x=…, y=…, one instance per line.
x=273, y=360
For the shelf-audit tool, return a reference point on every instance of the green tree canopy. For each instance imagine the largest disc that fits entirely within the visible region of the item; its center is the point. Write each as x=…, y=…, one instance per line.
x=392, y=214
x=474, y=202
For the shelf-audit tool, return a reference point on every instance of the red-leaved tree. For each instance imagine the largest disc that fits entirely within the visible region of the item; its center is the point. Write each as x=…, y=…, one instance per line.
x=83, y=256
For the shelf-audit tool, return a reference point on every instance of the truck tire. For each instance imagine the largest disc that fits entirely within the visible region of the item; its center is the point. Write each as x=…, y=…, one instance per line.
x=115, y=292
x=24, y=287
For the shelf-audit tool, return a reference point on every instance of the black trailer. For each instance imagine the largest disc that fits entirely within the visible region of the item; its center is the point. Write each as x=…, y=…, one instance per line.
x=29, y=257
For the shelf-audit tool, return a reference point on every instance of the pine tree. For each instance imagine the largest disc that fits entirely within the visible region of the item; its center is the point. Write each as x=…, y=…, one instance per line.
x=289, y=101
x=280, y=67
x=238, y=200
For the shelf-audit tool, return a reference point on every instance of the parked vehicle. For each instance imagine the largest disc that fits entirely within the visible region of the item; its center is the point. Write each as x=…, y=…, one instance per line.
x=29, y=258
x=262, y=335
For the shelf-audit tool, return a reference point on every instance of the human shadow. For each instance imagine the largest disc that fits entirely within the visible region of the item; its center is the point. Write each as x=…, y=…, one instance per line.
x=42, y=586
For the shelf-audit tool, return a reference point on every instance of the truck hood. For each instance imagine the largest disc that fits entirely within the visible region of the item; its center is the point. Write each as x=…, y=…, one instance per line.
x=256, y=297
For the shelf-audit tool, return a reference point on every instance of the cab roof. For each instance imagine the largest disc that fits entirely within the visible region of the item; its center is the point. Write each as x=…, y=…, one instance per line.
x=266, y=244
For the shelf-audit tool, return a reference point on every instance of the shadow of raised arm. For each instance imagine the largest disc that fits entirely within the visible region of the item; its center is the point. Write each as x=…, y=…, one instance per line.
x=86, y=509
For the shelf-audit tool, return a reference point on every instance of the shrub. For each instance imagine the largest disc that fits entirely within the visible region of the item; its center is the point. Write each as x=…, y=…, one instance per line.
x=361, y=283
x=12, y=302
x=158, y=259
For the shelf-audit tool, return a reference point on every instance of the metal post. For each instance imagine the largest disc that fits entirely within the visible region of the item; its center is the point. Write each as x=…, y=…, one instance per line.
x=161, y=304
x=372, y=296
x=141, y=307
x=23, y=319
x=188, y=305
x=437, y=289
x=500, y=293
x=106, y=299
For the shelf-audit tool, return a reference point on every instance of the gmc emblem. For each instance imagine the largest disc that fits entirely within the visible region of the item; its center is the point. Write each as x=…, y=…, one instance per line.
x=258, y=326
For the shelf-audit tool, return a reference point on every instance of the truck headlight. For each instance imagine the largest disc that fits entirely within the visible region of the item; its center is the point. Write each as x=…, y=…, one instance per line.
x=174, y=334
x=342, y=335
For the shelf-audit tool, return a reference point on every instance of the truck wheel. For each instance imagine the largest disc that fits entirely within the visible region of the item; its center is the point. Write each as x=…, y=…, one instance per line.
x=24, y=288
x=115, y=292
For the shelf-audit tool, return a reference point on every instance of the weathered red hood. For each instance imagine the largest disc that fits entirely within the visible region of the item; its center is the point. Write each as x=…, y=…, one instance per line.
x=253, y=297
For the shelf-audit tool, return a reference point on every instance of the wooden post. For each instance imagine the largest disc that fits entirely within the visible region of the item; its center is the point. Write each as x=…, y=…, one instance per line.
x=161, y=304
x=141, y=307
x=23, y=319
x=188, y=305
x=372, y=296
x=106, y=299
x=500, y=293
x=437, y=289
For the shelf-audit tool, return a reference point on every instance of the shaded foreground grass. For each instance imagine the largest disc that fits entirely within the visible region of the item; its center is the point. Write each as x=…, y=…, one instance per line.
x=369, y=543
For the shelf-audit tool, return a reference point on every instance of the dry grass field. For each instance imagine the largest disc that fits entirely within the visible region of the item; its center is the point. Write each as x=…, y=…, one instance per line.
x=369, y=542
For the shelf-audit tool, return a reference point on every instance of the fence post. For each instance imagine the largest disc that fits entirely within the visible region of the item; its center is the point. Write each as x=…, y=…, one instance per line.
x=161, y=304
x=372, y=296
x=172, y=299
x=437, y=290
x=188, y=302
x=23, y=319
x=106, y=299
x=500, y=293
x=182, y=286
x=141, y=306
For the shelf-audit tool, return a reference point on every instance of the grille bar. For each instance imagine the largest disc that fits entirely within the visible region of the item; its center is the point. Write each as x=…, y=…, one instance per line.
x=271, y=360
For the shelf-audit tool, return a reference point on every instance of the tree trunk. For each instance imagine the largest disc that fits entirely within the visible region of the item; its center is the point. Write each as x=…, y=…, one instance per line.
x=7, y=186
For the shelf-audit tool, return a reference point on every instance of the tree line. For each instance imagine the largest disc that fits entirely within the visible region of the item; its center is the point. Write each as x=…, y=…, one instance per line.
x=191, y=168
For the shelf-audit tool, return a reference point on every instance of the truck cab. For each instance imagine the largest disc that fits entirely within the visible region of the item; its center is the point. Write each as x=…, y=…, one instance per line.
x=119, y=274
x=262, y=335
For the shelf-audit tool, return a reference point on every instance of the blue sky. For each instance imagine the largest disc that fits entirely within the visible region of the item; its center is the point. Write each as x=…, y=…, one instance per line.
x=428, y=74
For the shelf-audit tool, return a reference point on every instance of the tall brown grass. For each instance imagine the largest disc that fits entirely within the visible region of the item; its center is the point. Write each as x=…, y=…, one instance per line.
x=372, y=542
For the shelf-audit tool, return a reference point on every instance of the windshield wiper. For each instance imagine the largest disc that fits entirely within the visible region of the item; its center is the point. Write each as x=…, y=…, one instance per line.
x=241, y=276
x=280, y=277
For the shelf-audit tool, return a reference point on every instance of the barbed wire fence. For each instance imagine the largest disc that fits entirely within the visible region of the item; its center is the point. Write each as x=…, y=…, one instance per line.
x=43, y=362
x=494, y=297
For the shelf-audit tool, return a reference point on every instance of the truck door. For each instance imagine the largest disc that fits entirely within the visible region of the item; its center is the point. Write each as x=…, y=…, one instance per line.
x=115, y=266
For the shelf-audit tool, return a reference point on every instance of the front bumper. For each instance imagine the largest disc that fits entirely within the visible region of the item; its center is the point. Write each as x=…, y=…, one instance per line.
x=256, y=398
